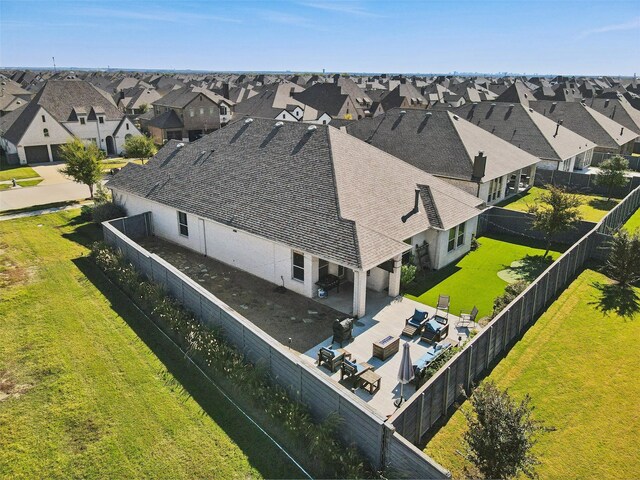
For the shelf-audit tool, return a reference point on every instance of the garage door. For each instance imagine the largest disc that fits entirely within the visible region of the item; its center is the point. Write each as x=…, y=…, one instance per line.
x=55, y=152
x=37, y=154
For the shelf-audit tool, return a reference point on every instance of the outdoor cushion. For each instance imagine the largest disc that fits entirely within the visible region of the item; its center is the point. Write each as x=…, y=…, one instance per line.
x=328, y=352
x=431, y=354
x=418, y=318
x=354, y=365
x=434, y=326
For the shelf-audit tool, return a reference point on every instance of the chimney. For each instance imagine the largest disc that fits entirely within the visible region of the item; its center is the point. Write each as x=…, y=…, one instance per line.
x=557, y=128
x=479, y=165
x=225, y=90
x=415, y=207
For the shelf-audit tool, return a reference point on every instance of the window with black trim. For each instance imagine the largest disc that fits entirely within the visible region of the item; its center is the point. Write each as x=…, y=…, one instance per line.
x=101, y=119
x=298, y=266
x=323, y=268
x=183, y=226
x=456, y=237
x=45, y=132
x=82, y=121
x=44, y=119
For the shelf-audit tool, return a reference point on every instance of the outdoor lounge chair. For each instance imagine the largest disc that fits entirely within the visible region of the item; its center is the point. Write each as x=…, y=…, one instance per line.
x=330, y=358
x=467, y=318
x=442, y=309
x=421, y=365
x=434, y=330
x=415, y=323
x=352, y=369
x=342, y=330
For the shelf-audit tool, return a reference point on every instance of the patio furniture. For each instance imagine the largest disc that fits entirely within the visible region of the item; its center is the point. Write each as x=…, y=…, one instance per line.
x=352, y=369
x=415, y=323
x=328, y=282
x=330, y=358
x=342, y=330
x=442, y=308
x=370, y=381
x=422, y=364
x=434, y=330
x=386, y=347
x=467, y=318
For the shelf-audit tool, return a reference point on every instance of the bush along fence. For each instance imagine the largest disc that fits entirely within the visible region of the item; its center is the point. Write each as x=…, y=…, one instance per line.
x=436, y=397
x=582, y=183
x=313, y=393
x=208, y=348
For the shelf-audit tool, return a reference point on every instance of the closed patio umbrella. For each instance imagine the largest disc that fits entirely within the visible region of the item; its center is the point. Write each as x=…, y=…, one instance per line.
x=405, y=374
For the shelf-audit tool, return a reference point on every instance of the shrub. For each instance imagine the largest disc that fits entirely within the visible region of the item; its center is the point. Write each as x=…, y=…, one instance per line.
x=101, y=212
x=407, y=274
x=207, y=347
x=510, y=293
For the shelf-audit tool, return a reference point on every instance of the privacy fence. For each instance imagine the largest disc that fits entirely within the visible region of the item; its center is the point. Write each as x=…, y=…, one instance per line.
x=582, y=183
x=362, y=426
x=436, y=397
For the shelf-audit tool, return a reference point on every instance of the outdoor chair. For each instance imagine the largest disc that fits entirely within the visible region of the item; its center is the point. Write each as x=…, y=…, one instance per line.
x=342, y=330
x=442, y=309
x=421, y=365
x=415, y=323
x=467, y=318
x=330, y=358
x=352, y=369
x=434, y=331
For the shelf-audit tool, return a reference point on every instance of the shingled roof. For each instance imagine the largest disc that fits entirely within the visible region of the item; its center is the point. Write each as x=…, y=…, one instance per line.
x=312, y=188
x=441, y=143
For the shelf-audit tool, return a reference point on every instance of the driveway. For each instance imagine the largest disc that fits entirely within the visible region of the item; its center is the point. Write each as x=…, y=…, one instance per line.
x=55, y=187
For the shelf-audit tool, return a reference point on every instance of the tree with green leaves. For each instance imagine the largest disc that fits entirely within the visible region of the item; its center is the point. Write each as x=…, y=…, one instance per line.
x=83, y=162
x=501, y=433
x=556, y=211
x=144, y=108
x=623, y=262
x=611, y=174
x=139, y=146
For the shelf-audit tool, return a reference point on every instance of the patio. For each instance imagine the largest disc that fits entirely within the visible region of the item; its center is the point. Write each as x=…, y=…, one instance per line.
x=387, y=320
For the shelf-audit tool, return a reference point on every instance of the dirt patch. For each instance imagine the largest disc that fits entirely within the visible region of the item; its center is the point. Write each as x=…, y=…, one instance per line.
x=9, y=387
x=82, y=432
x=10, y=272
x=284, y=316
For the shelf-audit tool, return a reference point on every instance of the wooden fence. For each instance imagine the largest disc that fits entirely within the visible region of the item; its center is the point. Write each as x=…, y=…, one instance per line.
x=582, y=183
x=435, y=398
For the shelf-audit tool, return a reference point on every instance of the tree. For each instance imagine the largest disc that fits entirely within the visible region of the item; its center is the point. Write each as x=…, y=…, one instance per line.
x=83, y=162
x=557, y=211
x=612, y=174
x=623, y=262
x=144, y=108
x=140, y=146
x=501, y=434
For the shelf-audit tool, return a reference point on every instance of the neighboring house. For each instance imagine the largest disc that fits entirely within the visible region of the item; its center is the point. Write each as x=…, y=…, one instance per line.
x=609, y=136
x=12, y=96
x=137, y=100
x=443, y=144
x=61, y=110
x=328, y=98
x=618, y=109
x=290, y=203
x=403, y=96
x=188, y=113
x=557, y=147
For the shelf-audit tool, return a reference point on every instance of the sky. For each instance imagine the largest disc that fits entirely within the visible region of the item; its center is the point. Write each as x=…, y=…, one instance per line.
x=404, y=36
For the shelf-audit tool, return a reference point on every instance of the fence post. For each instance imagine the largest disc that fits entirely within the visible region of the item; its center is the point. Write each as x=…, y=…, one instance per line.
x=421, y=415
x=469, y=368
x=445, y=395
x=486, y=362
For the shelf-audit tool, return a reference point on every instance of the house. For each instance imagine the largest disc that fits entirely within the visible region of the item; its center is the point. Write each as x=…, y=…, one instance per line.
x=617, y=108
x=557, y=147
x=609, y=136
x=328, y=98
x=61, y=110
x=188, y=113
x=443, y=144
x=137, y=100
x=12, y=96
x=291, y=202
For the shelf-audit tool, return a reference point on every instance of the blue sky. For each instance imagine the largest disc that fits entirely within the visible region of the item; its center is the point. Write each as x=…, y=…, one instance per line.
x=554, y=36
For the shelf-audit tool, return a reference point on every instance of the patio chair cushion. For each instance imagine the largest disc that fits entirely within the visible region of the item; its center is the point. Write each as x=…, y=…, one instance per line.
x=431, y=354
x=434, y=325
x=357, y=367
x=418, y=318
x=327, y=352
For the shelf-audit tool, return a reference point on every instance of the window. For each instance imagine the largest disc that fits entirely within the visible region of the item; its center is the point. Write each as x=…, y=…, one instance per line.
x=223, y=110
x=44, y=119
x=340, y=271
x=46, y=132
x=210, y=110
x=298, y=266
x=456, y=237
x=183, y=227
x=201, y=110
x=323, y=268
x=101, y=119
x=82, y=121
x=495, y=189
x=126, y=126
x=191, y=112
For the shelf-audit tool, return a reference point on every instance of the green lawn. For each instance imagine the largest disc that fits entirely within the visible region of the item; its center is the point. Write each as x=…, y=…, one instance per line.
x=593, y=207
x=633, y=222
x=118, y=162
x=7, y=172
x=581, y=371
x=94, y=391
x=473, y=280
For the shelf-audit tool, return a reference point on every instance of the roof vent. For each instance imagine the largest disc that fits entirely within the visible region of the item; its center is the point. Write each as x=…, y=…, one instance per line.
x=455, y=117
x=402, y=112
x=248, y=120
x=180, y=145
x=428, y=114
x=279, y=124
x=531, y=110
x=312, y=128
x=511, y=105
x=493, y=104
x=554, y=103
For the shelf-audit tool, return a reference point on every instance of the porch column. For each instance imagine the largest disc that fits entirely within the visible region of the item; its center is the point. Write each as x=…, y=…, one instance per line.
x=49, y=152
x=310, y=275
x=394, y=278
x=359, y=293
x=517, y=185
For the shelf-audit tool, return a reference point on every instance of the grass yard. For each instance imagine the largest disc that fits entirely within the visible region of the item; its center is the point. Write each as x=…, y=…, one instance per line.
x=7, y=172
x=473, y=280
x=22, y=183
x=118, y=162
x=581, y=371
x=593, y=207
x=88, y=389
x=634, y=222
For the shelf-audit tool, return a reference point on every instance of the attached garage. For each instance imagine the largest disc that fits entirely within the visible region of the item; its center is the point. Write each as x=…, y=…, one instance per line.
x=38, y=154
x=55, y=152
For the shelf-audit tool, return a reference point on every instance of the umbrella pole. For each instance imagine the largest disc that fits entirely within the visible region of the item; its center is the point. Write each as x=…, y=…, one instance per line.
x=398, y=402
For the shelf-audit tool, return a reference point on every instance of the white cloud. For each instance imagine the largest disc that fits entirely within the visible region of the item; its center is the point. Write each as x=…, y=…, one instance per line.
x=630, y=25
x=350, y=8
x=154, y=15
